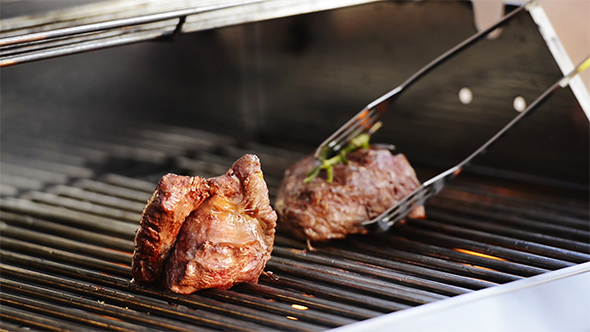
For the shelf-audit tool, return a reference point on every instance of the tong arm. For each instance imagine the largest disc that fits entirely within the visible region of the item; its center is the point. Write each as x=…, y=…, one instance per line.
x=433, y=186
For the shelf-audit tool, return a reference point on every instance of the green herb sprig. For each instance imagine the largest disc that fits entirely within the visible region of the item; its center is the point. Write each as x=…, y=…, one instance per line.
x=360, y=141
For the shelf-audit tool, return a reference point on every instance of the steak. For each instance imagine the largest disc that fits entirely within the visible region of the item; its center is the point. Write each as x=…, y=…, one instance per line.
x=372, y=181
x=173, y=200
x=229, y=238
x=206, y=233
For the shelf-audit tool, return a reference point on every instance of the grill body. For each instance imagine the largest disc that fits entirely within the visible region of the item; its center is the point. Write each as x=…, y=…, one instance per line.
x=86, y=137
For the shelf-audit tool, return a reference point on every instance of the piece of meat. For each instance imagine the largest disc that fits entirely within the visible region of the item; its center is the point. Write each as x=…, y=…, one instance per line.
x=174, y=199
x=371, y=182
x=201, y=233
x=229, y=238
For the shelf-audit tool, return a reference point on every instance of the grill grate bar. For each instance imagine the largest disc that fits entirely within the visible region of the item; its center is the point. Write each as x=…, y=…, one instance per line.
x=46, y=177
x=65, y=244
x=324, y=319
x=64, y=312
x=154, y=307
x=451, y=260
x=73, y=204
x=308, y=301
x=381, y=273
x=92, y=263
x=168, y=145
x=21, y=183
x=115, y=289
x=74, y=240
x=527, y=199
x=411, y=269
x=65, y=257
x=7, y=189
x=129, y=183
x=495, y=228
x=507, y=219
x=118, y=150
x=99, y=307
x=75, y=218
x=346, y=295
x=506, y=242
x=54, y=151
x=10, y=327
x=44, y=323
x=28, y=222
x=93, y=197
x=510, y=254
x=109, y=189
x=71, y=168
x=354, y=281
x=105, y=288
x=124, y=271
x=569, y=216
x=194, y=139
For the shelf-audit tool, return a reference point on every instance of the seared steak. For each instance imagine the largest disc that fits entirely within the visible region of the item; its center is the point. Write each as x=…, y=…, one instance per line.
x=229, y=238
x=221, y=229
x=371, y=182
x=174, y=199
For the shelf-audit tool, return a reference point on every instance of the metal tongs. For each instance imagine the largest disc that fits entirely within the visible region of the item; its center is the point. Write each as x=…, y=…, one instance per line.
x=365, y=123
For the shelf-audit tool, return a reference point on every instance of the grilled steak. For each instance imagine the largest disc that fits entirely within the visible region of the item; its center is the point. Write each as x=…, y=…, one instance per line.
x=225, y=239
x=371, y=182
x=229, y=238
x=174, y=199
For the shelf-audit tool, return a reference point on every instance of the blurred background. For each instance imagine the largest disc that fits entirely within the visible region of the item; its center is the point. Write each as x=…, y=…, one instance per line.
x=292, y=81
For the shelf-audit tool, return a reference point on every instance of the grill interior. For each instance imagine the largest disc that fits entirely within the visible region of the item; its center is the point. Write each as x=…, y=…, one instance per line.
x=86, y=137
x=69, y=217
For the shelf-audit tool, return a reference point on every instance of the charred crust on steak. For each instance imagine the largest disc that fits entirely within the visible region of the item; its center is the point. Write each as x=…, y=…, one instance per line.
x=371, y=182
x=173, y=200
x=225, y=238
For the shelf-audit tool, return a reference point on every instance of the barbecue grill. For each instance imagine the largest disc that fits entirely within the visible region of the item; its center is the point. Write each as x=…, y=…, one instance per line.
x=85, y=138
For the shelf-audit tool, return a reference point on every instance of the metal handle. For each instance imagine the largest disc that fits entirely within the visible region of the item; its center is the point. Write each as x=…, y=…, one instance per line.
x=437, y=183
x=333, y=144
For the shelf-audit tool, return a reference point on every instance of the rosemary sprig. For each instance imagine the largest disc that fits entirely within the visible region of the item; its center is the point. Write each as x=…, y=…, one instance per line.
x=360, y=141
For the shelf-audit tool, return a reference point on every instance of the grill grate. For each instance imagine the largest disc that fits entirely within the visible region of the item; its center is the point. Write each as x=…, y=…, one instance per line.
x=67, y=241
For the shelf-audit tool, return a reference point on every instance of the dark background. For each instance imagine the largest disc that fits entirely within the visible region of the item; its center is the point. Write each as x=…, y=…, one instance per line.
x=293, y=81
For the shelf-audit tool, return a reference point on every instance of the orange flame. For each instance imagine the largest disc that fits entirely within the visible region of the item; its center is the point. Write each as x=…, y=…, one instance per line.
x=479, y=254
x=299, y=307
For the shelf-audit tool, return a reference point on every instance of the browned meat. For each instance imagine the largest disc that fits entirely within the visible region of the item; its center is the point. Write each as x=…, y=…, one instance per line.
x=224, y=239
x=371, y=182
x=174, y=199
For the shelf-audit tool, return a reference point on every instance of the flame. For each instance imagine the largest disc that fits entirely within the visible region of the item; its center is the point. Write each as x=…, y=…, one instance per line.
x=479, y=267
x=479, y=254
x=292, y=318
x=299, y=307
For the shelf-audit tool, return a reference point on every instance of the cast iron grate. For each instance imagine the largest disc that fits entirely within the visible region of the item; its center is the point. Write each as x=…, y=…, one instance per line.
x=70, y=210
